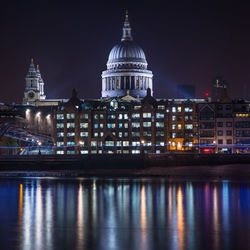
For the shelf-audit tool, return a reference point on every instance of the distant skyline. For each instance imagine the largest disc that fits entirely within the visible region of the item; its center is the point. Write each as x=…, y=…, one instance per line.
x=184, y=43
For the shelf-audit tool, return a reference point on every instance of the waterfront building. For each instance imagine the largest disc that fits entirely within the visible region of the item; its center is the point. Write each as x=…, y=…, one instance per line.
x=224, y=126
x=127, y=118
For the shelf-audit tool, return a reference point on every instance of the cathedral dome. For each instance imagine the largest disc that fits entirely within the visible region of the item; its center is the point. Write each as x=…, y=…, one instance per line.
x=127, y=72
x=127, y=51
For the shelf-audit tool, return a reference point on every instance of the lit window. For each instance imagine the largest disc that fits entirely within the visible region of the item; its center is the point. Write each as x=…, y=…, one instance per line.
x=71, y=116
x=84, y=152
x=125, y=143
x=96, y=116
x=70, y=143
x=159, y=124
x=101, y=125
x=83, y=125
x=160, y=143
x=188, y=126
x=120, y=125
x=59, y=125
x=60, y=144
x=84, y=116
x=101, y=116
x=95, y=134
x=120, y=116
x=96, y=125
x=120, y=134
x=136, y=151
x=173, y=118
x=159, y=115
x=111, y=117
x=125, y=134
x=173, y=135
x=126, y=116
x=148, y=143
x=60, y=116
x=179, y=109
x=119, y=143
x=70, y=125
x=173, y=126
x=125, y=125
x=147, y=133
x=137, y=107
x=146, y=115
x=159, y=133
x=101, y=134
x=84, y=134
x=60, y=152
x=173, y=109
x=60, y=134
x=135, y=134
x=146, y=124
x=135, y=115
x=179, y=126
x=93, y=144
x=188, y=109
x=135, y=124
x=161, y=107
x=135, y=143
x=111, y=125
x=70, y=134
x=70, y=152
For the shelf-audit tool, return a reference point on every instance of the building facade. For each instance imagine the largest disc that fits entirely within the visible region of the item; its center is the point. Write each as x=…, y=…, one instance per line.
x=128, y=119
x=124, y=125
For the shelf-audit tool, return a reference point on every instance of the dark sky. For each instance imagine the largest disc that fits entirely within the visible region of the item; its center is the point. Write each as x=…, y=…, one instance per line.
x=185, y=42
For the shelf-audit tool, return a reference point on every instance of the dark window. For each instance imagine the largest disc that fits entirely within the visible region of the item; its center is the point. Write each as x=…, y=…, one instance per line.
x=229, y=132
x=207, y=114
x=228, y=124
x=220, y=132
x=228, y=107
x=220, y=124
x=220, y=141
x=229, y=141
x=219, y=107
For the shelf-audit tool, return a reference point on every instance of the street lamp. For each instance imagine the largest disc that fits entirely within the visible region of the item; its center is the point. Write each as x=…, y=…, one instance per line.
x=142, y=144
x=39, y=144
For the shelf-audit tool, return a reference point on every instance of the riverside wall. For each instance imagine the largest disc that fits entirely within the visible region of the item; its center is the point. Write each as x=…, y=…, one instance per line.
x=118, y=161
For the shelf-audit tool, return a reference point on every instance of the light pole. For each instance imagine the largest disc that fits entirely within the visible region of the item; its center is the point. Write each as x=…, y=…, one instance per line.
x=142, y=145
x=39, y=144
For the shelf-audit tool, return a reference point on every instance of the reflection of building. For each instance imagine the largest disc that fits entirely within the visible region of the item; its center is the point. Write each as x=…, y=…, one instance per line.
x=186, y=91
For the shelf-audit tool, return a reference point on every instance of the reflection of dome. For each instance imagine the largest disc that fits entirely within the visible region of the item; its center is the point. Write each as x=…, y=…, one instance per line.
x=127, y=51
x=126, y=68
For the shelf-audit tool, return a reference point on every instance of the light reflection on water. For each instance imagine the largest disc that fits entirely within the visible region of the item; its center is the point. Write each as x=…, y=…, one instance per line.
x=123, y=214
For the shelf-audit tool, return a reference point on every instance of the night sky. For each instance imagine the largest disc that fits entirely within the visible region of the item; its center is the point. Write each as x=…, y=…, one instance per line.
x=184, y=42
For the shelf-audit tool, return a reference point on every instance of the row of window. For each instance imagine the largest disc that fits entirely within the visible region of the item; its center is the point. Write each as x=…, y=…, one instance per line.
x=119, y=134
x=122, y=116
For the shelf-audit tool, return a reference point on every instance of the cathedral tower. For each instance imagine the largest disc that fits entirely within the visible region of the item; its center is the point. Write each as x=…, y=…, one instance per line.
x=34, y=88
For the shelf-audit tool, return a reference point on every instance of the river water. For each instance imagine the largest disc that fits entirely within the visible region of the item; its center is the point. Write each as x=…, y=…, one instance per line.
x=53, y=213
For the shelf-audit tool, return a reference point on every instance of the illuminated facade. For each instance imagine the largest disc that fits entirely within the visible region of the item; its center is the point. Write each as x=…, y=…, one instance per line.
x=126, y=68
x=128, y=119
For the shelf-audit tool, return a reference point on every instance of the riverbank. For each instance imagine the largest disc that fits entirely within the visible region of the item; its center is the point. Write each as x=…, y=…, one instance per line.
x=152, y=165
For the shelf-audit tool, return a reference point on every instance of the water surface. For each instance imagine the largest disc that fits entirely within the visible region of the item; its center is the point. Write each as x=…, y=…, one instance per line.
x=51, y=213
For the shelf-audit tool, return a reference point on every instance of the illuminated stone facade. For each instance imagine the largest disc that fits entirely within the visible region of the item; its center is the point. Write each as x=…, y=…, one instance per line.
x=126, y=69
